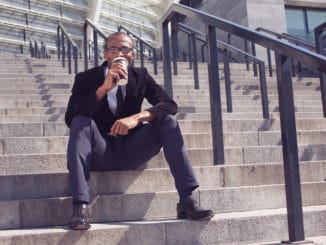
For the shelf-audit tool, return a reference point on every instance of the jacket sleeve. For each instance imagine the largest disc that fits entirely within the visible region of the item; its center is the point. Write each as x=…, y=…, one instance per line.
x=82, y=100
x=161, y=103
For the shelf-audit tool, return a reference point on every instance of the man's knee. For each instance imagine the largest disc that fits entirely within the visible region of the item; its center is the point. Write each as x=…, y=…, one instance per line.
x=81, y=122
x=167, y=124
x=169, y=121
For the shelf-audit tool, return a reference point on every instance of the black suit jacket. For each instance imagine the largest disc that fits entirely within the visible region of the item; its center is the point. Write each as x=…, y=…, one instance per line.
x=140, y=85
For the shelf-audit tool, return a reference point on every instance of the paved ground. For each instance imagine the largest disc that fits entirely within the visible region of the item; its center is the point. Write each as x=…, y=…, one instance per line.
x=319, y=240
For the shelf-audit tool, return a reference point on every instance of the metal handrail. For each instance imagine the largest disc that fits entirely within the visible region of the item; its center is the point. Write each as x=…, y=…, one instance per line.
x=141, y=48
x=297, y=41
x=62, y=52
x=290, y=38
x=284, y=52
x=226, y=48
x=96, y=31
x=38, y=51
x=321, y=49
x=223, y=44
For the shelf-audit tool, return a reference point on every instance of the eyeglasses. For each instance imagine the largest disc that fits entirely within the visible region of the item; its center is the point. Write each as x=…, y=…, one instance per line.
x=113, y=49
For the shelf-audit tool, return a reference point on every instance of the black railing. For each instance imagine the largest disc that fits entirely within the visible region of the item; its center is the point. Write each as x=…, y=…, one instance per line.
x=38, y=50
x=290, y=38
x=94, y=44
x=152, y=53
x=295, y=40
x=284, y=52
x=71, y=50
x=225, y=50
x=320, y=37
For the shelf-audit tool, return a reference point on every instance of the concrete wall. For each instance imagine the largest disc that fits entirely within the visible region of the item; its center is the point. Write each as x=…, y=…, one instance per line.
x=269, y=14
x=233, y=10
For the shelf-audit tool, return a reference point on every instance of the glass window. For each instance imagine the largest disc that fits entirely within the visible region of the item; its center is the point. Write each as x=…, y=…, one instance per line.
x=295, y=23
x=301, y=22
x=315, y=18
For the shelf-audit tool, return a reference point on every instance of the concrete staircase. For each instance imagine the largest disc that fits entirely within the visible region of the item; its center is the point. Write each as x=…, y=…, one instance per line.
x=139, y=207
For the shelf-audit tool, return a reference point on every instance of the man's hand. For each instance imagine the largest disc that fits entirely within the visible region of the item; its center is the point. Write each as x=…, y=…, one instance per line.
x=113, y=76
x=123, y=125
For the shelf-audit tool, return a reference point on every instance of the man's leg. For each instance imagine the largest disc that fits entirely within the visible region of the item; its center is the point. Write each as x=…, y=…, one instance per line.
x=146, y=142
x=87, y=149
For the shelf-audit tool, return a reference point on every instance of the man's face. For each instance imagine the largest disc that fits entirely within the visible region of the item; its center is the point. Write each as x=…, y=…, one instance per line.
x=119, y=46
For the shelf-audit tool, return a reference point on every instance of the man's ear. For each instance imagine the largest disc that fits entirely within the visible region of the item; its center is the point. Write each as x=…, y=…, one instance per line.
x=105, y=54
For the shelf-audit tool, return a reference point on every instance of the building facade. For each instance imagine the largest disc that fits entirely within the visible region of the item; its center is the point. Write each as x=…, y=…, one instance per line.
x=25, y=20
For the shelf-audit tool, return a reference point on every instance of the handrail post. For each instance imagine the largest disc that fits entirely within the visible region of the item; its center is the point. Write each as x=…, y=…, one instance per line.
x=229, y=42
x=215, y=96
x=166, y=59
x=95, y=47
x=31, y=49
x=85, y=47
x=293, y=68
x=246, y=57
x=195, y=61
x=69, y=56
x=269, y=58
x=189, y=51
x=155, y=61
x=203, y=52
x=263, y=90
x=174, y=41
x=141, y=54
x=290, y=149
x=36, y=49
x=253, y=50
x=75, y=55
x=320, y=48
x=58, y=39
x=227, y=81
x=63, y=50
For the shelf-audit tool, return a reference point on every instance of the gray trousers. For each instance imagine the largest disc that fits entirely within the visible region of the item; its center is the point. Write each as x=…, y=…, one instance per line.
x=89, y=150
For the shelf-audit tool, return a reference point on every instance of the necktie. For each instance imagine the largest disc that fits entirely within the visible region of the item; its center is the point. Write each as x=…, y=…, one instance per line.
x=119, y=96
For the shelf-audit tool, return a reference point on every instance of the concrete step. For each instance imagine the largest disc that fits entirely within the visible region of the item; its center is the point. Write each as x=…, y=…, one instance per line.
x=43, y=185
x=179, y=83
x=180, y=97
x=56, y=162
x=180, y=116
x=65, y=93
x=152, y=205
x=35, y=91
x=239, y=115
x=41, y=107
x=244, y=108
x=28, y=97
x=238, y=125
x=181, y=103
x=225, y=228
x=31, y=118
x=55, y=144
x=38, y=129
x=189, y=108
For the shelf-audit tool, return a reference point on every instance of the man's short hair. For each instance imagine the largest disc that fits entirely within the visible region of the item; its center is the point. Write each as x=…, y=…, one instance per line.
x=114, y=34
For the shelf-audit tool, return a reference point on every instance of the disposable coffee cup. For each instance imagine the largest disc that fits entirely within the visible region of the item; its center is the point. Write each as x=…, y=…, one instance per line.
x=124, y=62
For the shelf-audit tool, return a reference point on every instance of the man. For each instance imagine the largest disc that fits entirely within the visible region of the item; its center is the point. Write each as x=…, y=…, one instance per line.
x=107, y=130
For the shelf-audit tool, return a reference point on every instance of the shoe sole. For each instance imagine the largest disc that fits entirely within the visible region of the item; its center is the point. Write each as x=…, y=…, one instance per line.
x=80, y=226
x=186, y=216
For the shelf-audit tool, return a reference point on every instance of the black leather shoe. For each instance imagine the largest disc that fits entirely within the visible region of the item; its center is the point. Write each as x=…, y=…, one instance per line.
x=190, y=209
x=80, y=217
